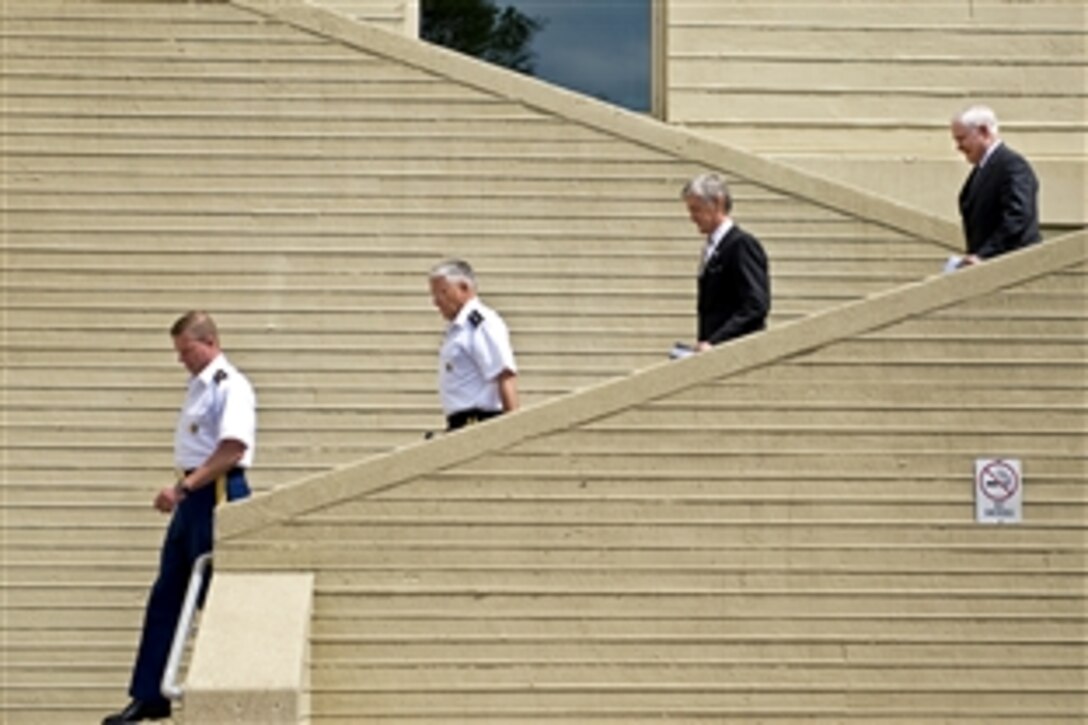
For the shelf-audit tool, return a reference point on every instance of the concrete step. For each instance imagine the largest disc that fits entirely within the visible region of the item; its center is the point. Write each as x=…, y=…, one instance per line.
x=805, y=672
x=866, y=41
x=949, y=14
x=234, y=140
x=409, y=556
x=881, y=138
x=832, y=105
x=878, y=75
x=607, y=534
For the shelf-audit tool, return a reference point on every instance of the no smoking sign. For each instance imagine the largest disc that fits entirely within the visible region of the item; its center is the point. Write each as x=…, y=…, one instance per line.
x=999, y=491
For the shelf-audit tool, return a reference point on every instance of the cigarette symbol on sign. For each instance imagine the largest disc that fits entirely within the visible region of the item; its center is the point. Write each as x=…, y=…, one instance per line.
x=999, y=481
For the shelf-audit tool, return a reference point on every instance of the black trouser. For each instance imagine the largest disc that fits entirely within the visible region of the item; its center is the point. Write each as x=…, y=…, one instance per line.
x=467, y=417
x=189, y=535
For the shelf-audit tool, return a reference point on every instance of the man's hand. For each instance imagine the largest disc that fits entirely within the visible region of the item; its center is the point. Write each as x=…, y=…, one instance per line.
x=168, y=498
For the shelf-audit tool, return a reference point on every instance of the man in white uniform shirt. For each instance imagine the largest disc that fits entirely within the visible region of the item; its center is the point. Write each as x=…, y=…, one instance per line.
x=477, y=374
x=214, y=442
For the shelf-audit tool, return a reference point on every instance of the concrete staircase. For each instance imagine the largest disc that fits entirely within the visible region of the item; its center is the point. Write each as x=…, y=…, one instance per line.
x=297, y=174
x=779, y=531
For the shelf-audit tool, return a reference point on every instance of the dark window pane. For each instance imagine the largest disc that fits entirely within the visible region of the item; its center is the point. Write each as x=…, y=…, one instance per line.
x=597, y=47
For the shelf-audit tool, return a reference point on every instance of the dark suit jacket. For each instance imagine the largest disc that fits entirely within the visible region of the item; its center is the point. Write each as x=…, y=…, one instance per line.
x=998, y=204
x=734, y=289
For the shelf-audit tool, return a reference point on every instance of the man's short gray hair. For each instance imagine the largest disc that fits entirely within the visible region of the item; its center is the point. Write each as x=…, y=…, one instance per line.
x=710, y=188
x=455, y=270
x=979, y=117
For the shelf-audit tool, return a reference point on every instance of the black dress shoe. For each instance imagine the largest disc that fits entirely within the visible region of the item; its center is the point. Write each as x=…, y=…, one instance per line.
x=138, y=710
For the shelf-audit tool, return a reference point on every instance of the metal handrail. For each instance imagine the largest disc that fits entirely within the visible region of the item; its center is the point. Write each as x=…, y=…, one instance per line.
x=171, y=689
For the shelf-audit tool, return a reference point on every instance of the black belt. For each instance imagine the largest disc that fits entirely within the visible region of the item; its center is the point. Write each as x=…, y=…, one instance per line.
x=232, y=472
x=467, y=417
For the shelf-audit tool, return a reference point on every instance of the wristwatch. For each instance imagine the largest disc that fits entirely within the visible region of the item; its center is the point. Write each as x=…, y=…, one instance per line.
x=181, y=490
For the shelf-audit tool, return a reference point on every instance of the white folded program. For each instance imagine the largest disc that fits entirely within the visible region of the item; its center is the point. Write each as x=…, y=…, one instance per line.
x=681, y=350
x=953, y=263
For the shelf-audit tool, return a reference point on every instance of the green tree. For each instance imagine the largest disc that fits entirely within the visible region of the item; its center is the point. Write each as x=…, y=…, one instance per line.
x=480, y=28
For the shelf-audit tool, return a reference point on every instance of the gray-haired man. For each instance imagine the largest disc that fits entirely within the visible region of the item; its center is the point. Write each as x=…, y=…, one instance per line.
x=999, y=200
x=734, y=293
x=477, y=374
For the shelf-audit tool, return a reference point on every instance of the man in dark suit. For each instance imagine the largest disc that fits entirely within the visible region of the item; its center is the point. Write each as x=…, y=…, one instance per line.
x=734, y=293
x=998, y=202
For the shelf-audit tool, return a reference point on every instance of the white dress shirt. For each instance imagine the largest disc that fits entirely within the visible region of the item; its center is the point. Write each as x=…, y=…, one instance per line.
x=714, y=240
x=220, y=405
x=989, y=152
x=475, y=351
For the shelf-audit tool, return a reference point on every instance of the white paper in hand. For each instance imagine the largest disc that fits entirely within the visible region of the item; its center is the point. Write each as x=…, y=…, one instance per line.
x=681, y=350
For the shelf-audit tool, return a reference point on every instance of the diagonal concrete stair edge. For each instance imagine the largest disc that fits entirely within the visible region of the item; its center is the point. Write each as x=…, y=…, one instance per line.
x=607, y=118
x=389, y=470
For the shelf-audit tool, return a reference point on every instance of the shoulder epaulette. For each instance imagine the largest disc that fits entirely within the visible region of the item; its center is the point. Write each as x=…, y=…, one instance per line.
x=475, y=318
x=220, y=376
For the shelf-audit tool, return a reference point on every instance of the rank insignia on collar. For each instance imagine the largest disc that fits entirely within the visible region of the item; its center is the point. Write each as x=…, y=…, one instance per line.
x=220, y=376
x=475, y=318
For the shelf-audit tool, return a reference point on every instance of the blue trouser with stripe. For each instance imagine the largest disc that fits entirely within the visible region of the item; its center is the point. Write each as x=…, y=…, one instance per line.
x=190, y=535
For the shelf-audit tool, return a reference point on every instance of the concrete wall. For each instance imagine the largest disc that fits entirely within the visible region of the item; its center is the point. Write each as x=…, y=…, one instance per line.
x=779, y=531
x=251, y=660
x=862, y=90
x=398, y=16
